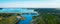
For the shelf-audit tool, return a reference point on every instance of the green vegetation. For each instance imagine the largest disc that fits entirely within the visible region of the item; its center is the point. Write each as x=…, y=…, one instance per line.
x=45, y=18
x=9, y=18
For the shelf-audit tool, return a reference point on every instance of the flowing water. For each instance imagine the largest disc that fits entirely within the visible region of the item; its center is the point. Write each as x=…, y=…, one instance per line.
x=28, y=18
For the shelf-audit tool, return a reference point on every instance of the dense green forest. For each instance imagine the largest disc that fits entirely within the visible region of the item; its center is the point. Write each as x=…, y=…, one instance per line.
x=46, y=19
x=47, y=16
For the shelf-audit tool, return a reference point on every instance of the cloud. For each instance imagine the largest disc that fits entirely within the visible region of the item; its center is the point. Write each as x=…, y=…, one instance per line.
x=47, y=4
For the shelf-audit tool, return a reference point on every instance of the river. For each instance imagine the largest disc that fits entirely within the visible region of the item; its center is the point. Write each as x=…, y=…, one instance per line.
x=28, y=18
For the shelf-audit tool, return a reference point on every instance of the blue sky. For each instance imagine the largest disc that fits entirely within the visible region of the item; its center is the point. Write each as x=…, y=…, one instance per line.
x=29, y=3
x=10, y=1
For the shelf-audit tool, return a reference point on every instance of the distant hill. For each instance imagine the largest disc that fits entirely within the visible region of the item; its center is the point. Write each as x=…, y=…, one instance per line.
x=47, y=10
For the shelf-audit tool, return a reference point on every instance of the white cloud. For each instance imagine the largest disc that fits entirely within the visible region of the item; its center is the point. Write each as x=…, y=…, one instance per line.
x=55, y=3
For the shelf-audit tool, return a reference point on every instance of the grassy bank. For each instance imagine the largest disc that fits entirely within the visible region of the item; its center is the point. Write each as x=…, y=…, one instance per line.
x=9, y=18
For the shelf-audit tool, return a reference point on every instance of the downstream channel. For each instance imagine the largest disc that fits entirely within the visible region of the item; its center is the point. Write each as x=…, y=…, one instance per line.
x=28, y=18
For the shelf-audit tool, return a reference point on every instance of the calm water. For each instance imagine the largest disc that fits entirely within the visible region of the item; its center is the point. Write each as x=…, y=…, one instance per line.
x=28, y=19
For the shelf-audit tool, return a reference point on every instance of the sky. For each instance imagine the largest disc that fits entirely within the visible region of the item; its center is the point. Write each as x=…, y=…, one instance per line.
x=30, y=3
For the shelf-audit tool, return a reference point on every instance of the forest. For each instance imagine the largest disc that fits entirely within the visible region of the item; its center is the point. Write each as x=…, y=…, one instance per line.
x=47, y=16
